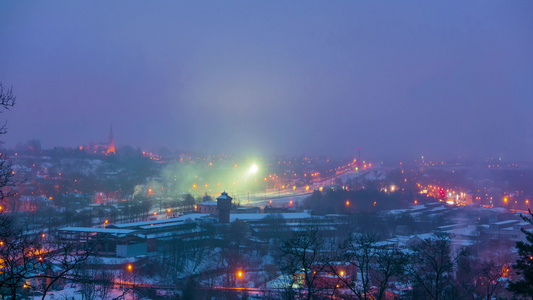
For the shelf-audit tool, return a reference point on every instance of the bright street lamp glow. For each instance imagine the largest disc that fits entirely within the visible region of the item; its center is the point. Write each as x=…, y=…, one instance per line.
x=253, y=169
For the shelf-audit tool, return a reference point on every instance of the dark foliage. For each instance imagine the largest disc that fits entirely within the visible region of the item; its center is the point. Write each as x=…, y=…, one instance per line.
x=342, y=201
x=524, y=265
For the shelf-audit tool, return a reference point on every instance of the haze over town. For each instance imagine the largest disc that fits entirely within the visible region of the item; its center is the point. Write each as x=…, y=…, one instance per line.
x=266, y=150
x=396, y=79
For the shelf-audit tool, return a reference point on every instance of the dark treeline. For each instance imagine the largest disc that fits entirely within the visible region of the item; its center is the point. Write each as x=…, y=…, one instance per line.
x=364, y=200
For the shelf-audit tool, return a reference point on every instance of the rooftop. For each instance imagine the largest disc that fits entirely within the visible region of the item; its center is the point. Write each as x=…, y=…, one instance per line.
x=98, y=230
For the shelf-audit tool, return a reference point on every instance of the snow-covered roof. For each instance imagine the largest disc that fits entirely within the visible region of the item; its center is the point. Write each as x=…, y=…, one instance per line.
x=437, y=209
x=506, y=222
x=35, y=198
x=255, y=217
x=224, y=196
x=509, y=229
x=181, y=218
x=97, y=230
x=165, y=225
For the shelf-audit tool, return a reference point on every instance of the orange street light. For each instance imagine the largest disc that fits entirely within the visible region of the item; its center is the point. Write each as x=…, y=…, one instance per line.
x=347, y=202
x=240, y=274
x=130, y=267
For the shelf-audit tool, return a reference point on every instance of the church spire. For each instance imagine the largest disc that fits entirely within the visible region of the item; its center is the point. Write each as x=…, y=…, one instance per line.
x=111, y=142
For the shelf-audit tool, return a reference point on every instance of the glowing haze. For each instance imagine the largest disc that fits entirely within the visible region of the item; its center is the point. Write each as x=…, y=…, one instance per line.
x=286, y=77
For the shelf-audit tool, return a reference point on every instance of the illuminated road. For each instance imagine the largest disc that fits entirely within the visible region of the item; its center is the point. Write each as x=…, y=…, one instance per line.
x=284, y=197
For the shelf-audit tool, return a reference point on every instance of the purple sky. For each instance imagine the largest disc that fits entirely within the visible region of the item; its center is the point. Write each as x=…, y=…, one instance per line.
x=433, y=78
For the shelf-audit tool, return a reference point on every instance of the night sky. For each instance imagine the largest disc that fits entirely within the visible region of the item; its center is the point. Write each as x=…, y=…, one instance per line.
x=396, y=78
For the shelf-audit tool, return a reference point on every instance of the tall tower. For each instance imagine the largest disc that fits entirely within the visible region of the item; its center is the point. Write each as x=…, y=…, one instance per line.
x=224, y=207
x=111, y=142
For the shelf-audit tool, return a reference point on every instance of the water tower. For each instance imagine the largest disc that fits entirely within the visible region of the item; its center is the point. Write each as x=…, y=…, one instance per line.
x=224, y=207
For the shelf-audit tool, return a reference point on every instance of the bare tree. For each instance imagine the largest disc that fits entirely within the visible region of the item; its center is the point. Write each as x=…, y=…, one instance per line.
x=390, y=263
x=303, y=257
x=360, y=251
x=7, y=100
x=432, y=266
x=488, y=283
x=30, y=258
x=376, y=265
x=104, y=279
x=88, y=288
x=231, y=250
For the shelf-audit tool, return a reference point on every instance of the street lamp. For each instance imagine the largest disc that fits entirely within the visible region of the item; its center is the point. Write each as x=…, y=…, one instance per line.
x=240, y=275
x=253, y=169
x=130, y=269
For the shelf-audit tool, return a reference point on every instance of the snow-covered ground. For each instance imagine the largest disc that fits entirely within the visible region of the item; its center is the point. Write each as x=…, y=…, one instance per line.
x=73, y=293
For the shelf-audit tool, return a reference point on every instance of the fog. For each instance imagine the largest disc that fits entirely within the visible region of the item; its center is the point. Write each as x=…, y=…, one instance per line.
x=396, y=79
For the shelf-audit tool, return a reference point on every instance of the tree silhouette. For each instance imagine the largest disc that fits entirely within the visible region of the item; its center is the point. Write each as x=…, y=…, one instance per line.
x=7, y=100
x=524, y=265
x=432, y=266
